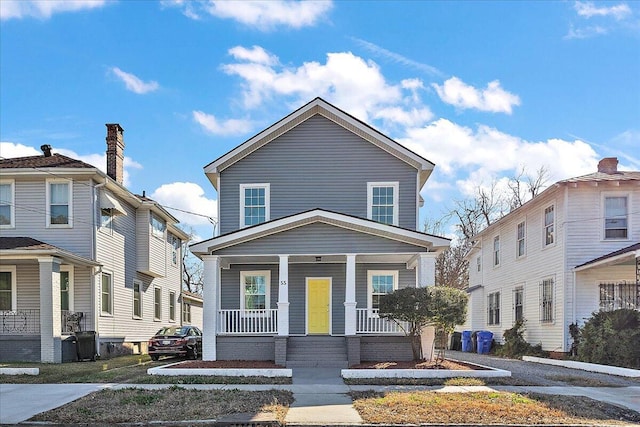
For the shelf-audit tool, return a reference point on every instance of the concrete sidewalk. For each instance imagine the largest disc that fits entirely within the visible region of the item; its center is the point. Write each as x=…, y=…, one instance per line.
x=325, y=402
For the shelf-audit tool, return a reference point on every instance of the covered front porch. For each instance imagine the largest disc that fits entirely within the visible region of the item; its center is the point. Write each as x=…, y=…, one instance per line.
x=47, y=294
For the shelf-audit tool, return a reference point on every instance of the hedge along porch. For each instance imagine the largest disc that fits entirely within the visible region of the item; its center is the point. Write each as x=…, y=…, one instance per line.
x=306, y=288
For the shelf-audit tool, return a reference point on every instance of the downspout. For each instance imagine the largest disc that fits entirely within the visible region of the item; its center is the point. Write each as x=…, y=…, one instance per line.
x=565, y=233
x=98, y=270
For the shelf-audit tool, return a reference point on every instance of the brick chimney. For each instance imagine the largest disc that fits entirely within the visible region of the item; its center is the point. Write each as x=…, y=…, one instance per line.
x=115, y=152
x=608, y=165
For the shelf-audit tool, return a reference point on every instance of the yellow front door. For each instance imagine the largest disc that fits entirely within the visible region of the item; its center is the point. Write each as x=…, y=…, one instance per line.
x=318, y=306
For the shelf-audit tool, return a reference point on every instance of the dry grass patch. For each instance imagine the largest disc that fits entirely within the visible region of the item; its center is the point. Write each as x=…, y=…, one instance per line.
x=438, y=381
x=486, y=408
x=580, y=381
x=134, y=405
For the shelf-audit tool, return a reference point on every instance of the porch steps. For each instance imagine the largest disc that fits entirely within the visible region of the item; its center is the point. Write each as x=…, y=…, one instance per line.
x=317, y=351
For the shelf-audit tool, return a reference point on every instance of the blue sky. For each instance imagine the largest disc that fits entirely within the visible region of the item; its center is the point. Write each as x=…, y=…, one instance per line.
x=482, y=89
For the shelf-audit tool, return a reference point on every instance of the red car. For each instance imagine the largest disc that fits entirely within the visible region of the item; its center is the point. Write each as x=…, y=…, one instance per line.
x=176, y=341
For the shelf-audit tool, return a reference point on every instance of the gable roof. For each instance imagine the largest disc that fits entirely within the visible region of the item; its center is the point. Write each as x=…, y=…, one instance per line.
x=319, y=216
x=336, y=115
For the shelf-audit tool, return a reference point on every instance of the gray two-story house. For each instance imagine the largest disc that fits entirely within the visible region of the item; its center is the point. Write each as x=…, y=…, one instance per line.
x=81, y=253
x=318, y=217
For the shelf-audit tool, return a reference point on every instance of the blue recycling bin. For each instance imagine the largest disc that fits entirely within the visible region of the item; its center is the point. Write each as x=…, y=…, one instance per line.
x=485, y=338
x=466, y=341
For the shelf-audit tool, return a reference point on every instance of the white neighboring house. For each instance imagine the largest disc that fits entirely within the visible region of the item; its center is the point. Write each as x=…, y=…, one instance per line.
x=191, y=308
x=567, y=253
x=80, y=252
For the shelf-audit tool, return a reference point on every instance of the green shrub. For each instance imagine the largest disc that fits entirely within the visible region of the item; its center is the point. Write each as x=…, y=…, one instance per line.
x=611, y=338
x=515, y=346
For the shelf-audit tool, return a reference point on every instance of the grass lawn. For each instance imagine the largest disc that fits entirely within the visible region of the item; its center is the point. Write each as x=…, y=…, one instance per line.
x=173, y=404
x=124, y=369
x=486, y=408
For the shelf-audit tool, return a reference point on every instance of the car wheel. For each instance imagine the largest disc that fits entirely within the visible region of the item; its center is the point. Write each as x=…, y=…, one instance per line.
x=155, y=358
x=194, y=352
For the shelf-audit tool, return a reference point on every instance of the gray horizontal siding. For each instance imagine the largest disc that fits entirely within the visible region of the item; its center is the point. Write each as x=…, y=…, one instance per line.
x=317, y=164
x=319, y=238
x=245, y=348
x=380, y=349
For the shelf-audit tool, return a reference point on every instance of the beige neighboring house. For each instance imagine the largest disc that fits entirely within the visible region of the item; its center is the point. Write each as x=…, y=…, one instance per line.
x=191, y=308
x=80, y=252
x=571, y=251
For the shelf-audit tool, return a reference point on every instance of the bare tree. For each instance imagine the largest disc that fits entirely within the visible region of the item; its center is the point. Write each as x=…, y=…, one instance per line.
x=192, y=268
x=452, y=267
x=524, y=186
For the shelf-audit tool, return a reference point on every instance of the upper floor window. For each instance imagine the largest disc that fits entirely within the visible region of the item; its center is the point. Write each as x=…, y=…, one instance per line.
x=106, y=294
x=254, y=204
x=496, y=251
x=549, y=221
x=157, y=225
x=380, y=283
x=546, y=301
x=382, y=202
x=478, y=263
x=255, y=290
x=520, y=251
x=615, y=217
x=175, y=248
x=106, y=220
x=59, y=203
x=493, y=309
x=6, y=204
x=8, y=295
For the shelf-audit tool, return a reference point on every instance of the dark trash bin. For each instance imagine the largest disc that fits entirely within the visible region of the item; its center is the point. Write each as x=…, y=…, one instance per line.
x=466, y=341
x=86, y=344
x=456, y=341
x=485, y=338
x=69, y=349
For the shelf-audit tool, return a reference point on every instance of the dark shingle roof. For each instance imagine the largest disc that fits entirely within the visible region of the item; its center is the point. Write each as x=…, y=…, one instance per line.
x=53, y=161
x=23, y=243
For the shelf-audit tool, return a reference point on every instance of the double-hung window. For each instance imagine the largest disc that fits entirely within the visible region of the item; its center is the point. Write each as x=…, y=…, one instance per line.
x=518, y=304
x=615, y=217
x=157, y=303
x=546, y=301
x=106, y=294
x=493, y=306
x=172, y=306
x=380, y=283
x=8, y=295
x=186, y=312
x=549, y=222
x=66, y=288
x=158, y=226
x=478, y=263
x=521, y=245
x=175, y=249
x=59, y=203
x=496, y=251
x=255, y=290
x=382, y=202
x=254, y=204
x=137, y=299
x=7, y=204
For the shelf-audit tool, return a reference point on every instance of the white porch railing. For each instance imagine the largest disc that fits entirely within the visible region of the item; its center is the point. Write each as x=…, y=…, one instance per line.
x=368, y=322
x=241, y=322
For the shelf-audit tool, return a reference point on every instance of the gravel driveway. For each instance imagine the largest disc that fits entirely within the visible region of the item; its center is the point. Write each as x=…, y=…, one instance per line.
x=530, y=373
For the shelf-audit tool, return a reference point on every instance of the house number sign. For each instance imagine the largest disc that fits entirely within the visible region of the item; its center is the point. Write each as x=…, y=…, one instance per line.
x=283, y=283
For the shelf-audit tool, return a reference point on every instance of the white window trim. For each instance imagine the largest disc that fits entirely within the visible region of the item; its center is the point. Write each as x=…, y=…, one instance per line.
x=544, y=226
x=498, y=307
x=106, y=313
x=524, y=239
x=494, y=261
x=14, y=284
x=396, y=198
x=267, y=298
x=48, y=201
x=153, y=230
x=12, y=203
x=106, y=229
x=267, y=201
x=606, y=195
x=370, y=274
x=159, y=301
x=69, y=269
x=171, y=238
x=552, y=321
x=478, y=264
x=172, y=298
x=186, y=309
x=133, y=300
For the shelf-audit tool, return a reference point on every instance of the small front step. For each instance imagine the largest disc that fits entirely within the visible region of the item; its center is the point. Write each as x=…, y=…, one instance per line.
x=317, y=351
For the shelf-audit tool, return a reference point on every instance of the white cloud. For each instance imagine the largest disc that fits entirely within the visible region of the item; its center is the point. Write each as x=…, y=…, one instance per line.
x=226, y=127
x=589, y=10
x=482, y=154
x=10, y=150
x=43, y=9
x=133, y=83
x=187, y=197
x=256, y=55
x=397, y=58
x=350, y=82
x=585, y=32
x=461, y=95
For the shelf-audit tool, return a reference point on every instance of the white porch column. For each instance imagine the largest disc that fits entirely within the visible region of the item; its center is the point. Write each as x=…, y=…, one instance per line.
x=283, y=296
x=210, y=291
x=50, y=322
x=350, y=297
x=426, y=269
